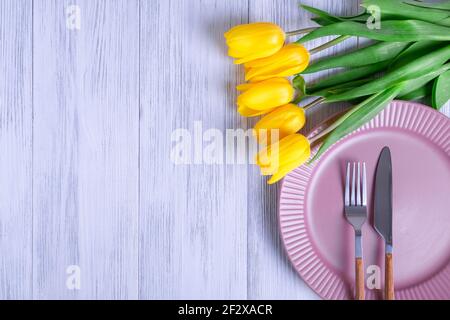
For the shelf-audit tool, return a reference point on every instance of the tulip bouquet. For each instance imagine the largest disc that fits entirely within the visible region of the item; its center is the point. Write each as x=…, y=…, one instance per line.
x=409, y=59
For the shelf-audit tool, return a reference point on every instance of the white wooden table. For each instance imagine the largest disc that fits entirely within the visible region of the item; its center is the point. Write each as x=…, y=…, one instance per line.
x=86, y=117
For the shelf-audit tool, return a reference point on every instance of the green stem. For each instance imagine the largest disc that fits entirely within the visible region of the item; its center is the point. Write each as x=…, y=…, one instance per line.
x=324, y=132
x=329, y=44
x=314, y=103
x=300, y=31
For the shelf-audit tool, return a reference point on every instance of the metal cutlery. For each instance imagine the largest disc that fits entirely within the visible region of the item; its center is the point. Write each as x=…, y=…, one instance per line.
x=383, y=215
x=355, y=208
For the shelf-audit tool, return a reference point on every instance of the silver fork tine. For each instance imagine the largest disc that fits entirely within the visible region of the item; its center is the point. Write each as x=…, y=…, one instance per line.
x=355, y=211
x=347, y=185
x=358, y=185
x=364, y=185
x=353, y=185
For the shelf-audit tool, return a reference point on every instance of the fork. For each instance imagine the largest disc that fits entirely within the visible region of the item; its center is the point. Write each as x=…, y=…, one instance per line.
x=356, y=214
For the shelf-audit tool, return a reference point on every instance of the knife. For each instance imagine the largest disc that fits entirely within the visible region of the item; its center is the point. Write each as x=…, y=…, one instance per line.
x=383, y=215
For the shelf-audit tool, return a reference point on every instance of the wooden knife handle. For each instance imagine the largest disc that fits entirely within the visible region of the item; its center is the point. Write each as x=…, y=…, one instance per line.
x=389, y=277
x=359, y=279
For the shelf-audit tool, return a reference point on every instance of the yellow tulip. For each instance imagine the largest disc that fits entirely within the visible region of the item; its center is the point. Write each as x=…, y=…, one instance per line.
x=291, y=59
x=252, y=41
x=262, y=97
x=246, y=112
x=283, y=156
x=286, y=120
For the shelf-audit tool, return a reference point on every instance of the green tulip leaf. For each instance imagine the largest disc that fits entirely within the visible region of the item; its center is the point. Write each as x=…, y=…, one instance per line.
x=441, y=90
x=437, y=5
x=347, y=75
x=375, y=53
x=411, y=70
x=417, y=83
x=392, y=30
x=358, y=116
x=393, y=10
x=418, y=93
x=325, y=18
x=321, y=21
x=415, y=51
x=342, y=87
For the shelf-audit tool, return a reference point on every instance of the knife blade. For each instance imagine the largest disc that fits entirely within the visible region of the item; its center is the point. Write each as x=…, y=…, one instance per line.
x=383, y=196
x=383, y=215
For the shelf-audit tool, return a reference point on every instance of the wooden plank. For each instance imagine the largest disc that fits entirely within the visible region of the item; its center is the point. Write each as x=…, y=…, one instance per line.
x=86, y=124
x=271, y=275
x=192, y=217
x=190, y=238
x=16, y=149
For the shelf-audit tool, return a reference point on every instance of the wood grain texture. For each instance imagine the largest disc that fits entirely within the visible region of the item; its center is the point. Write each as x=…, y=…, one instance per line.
x=193, y=218
x=359, y=279
x=86, y=121
x=86, y=125
x=15, y=149
x=389, y=277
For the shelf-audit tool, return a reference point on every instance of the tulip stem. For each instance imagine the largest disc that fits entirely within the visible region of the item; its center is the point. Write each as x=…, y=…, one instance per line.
x=329, y=44
x=300, y=31
x=324, y=132
x=314, y=103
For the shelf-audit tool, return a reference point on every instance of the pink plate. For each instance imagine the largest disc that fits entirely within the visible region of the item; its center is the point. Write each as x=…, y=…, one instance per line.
x=319, y=241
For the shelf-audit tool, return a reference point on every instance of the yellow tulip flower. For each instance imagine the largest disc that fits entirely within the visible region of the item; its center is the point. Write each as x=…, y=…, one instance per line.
x=252, y=41
x=291, y=59
x=262, y=97
x=287, y=120
x=283, y=156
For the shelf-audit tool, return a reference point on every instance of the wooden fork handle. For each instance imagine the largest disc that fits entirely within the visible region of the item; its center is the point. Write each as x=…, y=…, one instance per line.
x=389, y=277
x=359, y=279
